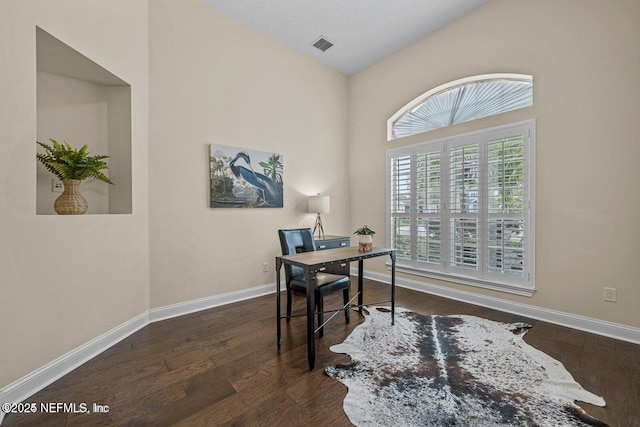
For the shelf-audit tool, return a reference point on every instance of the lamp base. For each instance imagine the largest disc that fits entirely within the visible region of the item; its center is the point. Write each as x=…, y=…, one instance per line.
x=319, y=227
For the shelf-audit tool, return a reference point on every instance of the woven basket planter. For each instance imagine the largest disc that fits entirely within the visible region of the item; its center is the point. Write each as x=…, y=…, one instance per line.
x=70, y=202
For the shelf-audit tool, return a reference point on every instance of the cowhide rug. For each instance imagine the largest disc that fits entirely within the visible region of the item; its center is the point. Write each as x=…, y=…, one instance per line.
x=454, y=371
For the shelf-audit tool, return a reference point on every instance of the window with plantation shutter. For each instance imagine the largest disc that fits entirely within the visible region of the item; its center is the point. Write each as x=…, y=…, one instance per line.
x=401, y=202
x=461, y=208
x=506, y=205
x=428, y=192
x=464, y=211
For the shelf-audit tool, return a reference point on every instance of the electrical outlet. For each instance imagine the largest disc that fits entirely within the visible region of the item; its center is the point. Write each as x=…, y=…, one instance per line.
x=56, y=185
x=610, y=294
x=265, y=267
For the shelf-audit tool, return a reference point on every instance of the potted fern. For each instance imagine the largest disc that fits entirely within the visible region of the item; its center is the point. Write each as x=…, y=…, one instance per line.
x=365, y=241
x=72, y=166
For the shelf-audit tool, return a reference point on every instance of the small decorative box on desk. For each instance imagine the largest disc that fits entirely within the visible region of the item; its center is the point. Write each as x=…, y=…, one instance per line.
x=331, y=242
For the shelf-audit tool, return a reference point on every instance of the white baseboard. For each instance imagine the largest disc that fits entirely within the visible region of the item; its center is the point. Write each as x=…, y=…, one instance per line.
x=35, y=381
x=582, y=323
x=180, y=309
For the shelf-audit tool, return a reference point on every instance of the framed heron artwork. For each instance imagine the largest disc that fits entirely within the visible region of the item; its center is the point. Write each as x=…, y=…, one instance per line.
x=242, y=178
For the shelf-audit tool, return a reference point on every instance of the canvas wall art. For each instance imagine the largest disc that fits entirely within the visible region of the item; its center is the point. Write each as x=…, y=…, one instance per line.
x=242, y=178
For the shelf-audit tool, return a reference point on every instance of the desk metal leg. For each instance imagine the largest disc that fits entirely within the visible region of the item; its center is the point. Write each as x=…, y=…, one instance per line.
x=311, y=306
x=278, y=315
x=360, y=285
x=393, y=288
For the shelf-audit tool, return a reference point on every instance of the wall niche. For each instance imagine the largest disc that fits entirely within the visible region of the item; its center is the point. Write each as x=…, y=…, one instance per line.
x=80, y=102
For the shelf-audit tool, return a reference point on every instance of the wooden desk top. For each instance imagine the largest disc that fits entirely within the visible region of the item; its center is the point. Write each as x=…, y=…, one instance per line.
x=332, y=256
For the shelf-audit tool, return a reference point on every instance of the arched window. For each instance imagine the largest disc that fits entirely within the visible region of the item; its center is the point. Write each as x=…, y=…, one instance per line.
x=460, y=101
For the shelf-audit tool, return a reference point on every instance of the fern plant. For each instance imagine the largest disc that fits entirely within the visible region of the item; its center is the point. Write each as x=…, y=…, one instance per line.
x=67, y=162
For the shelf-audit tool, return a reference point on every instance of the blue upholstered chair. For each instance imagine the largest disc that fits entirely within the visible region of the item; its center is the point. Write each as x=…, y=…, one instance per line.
x=301, y=240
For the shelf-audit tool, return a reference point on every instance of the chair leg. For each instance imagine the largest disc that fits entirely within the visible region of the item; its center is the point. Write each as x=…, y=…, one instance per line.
x=345, y=294
x=320, y=304
x=289, y=292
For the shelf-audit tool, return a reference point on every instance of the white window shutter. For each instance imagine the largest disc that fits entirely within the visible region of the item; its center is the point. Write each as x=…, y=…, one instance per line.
x=461, y=207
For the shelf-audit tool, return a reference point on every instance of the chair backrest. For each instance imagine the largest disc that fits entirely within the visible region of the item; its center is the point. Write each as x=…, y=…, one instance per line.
x=295, y=241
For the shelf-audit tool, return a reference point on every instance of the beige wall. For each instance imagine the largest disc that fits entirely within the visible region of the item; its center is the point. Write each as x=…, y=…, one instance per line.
x=584, y=60
x=66, y=280
x=215, y=80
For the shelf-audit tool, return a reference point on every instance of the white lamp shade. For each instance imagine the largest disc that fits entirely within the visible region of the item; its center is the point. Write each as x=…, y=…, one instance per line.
x=319, y=204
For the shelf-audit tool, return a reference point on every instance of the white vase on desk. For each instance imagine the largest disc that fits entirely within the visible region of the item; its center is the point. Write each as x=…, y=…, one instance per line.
x=365, y=242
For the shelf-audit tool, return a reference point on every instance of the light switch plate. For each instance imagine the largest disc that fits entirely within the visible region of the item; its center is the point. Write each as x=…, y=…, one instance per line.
x=56, y=185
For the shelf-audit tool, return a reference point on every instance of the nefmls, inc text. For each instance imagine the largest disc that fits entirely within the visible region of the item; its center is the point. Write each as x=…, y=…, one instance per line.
x=67, y=408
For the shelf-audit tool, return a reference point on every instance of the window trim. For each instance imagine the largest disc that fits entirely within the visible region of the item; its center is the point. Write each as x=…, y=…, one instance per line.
x=414, y=103
x=491, y=281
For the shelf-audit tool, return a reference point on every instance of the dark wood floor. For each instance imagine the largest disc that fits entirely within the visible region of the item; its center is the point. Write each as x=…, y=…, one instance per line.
x=222, y=367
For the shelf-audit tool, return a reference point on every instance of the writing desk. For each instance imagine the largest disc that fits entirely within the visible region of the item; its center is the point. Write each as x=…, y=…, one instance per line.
x=314, y=262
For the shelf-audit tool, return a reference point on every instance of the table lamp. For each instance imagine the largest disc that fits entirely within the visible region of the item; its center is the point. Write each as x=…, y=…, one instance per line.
x=318, y=205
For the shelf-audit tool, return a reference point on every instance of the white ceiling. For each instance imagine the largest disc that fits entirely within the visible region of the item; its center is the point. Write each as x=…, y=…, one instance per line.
x=363, y=31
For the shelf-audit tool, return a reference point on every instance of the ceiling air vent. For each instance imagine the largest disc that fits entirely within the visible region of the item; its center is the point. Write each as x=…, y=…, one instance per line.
x=322, y=44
